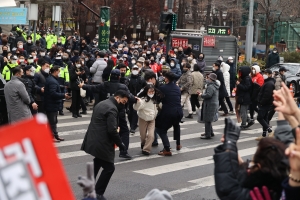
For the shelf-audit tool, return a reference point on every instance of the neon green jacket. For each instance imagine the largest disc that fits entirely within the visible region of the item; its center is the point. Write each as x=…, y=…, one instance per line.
x=6, y=73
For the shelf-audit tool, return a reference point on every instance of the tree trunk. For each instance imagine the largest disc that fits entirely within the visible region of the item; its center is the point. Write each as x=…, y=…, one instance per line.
x=195, y=16
x=134, y=20
x=221, y=18
x=207, y=22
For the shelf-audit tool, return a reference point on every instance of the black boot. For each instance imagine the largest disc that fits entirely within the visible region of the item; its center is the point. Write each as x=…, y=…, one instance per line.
x=61, y=112
x=74, y=115
x=190, y=116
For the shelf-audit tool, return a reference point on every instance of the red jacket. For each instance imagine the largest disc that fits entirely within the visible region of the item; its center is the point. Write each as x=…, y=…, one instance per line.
x=155, y=67
x=258, y=78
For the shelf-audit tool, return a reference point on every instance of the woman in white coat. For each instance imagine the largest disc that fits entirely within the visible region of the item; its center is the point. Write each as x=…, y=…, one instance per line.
x=225, y=69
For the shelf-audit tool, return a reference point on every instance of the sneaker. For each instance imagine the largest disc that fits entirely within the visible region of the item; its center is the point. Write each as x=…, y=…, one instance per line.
x=231, y=112
x=154, y=144
x=243, y=127
x=165, y=153
x=83, y=112
x=125, y=155
x=61, y=113
x=194, y=113
x=250, y=123
x=190, y=116
x=205, y=137
x=132, y=131
x=146, y=153
x=212, y=135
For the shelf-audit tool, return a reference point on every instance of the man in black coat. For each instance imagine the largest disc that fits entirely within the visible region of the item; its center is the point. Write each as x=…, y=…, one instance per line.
x=102, y=135
x=265, y=101
x=222, y=89
x=108, y=89
x=273, y=58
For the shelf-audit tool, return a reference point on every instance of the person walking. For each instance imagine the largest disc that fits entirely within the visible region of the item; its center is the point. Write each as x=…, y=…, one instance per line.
x=197, y=87
x=185, y=83
x=16, y=97
x=265, y=101
x=232, y=72
x=225, y=69
x=52, y=100
x=210, y=104
x=170, y=114
x=102, y=135
x=146, y=107
x=30, y=87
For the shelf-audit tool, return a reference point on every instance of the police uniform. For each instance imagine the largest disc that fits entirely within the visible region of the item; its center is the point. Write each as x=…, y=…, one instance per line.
x=6, y=73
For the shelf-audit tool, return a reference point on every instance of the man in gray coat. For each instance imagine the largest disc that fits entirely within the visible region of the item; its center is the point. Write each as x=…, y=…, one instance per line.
x=17, y=98
x=102, y=135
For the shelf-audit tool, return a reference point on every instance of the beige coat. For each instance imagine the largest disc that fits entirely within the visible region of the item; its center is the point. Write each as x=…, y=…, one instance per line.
x=146, y=110
x=198, y=81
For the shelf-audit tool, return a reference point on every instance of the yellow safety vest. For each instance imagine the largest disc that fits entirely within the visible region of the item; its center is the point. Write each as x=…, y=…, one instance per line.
x=6, y=73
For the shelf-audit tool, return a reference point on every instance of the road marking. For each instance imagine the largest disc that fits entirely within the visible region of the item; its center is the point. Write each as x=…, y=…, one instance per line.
x=74, y=132
x=70, y=117
x=163, y=169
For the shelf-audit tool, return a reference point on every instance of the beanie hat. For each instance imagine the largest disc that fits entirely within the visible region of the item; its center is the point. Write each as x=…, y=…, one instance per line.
x=213, y=76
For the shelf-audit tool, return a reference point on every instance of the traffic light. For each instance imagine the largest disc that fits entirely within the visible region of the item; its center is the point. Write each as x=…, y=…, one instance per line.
x=168, y=22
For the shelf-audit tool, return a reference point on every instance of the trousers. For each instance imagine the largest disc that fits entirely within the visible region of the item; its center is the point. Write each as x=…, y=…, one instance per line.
x=124, y=131
x=52, y=118
x=194, y=102
x=132, y=117
x=185, y=98
x=146, y=133
x=106, y=174
x=262, y=116
x=223, y=105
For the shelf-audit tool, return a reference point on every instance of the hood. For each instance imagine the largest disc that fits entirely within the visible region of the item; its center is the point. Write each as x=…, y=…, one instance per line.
x=216, y=84
x=257, y=68
x=225, y=67
x=245, y=71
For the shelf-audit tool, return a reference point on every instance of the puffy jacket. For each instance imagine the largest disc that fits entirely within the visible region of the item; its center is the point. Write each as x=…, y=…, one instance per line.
x=201, y=64
x=279, y=79
x=146, y=110
x=273, y=58
x=245, y=86
x=30, y=87
x=257, y=77
x=176, y=70
x=97, y=69
x=225, y=70
x=136, y=83
x=222, y=90
x=265, y=96
x=198, y=81
x=52, y=95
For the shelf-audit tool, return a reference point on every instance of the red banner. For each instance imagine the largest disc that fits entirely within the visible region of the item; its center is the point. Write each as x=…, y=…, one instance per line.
x=209, y=41
x=29, y=164
x=179, y=42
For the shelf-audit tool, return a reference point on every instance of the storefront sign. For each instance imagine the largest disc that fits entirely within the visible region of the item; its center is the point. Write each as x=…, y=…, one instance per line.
x=209, y=41
x=218, y=30
x=179, y=42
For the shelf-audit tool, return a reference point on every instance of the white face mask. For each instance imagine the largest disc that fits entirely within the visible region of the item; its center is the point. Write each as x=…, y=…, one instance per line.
x=133, y=62
x=172, y=64
x=253, y=71
x=86, y=59
x=120, y=49
x=21, y=60
x=47, y=70
x=13, y=61
x=59, y=74
x=274, y=51
x=78, y=65
x=29, y=41
x=144, y=55
x=265, y=76
x=231, y=61
x=162, y=60
x=214, y=69
x=114, y=55
x=21, y=46
x=135, y=72
x=43, y=54
x=68, y=50
x=150, y=95
x=150, y=83
x=32, y=73
x=136, y=47
x=30, y=60
x=148, y=52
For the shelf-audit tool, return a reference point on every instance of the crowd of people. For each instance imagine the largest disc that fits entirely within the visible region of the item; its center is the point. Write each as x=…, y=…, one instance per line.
x=140, y=84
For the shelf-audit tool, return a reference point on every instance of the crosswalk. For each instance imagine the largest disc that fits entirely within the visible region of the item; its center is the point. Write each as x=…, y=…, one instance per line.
x=193, y=164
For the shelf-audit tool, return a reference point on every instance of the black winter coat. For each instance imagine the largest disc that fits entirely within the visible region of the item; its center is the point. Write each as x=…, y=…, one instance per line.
x=245, y=87
x=40, y=82
x=102, y=132
x=273, y=58
x=222, y=89
x=136, y=83
x=52, y=95
x=30, y=87
x=74, y=77
x=265, y=96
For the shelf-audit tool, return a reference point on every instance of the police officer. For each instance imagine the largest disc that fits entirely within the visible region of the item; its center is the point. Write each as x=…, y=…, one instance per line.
x=12, y=63
x=108, y=89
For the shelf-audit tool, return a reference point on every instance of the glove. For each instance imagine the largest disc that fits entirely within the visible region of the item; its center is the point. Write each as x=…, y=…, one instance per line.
x=231, y=135
x=122, y=147
x=88, y=183
x=256, y=194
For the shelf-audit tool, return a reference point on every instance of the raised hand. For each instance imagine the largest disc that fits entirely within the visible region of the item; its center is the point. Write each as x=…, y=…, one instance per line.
x=88, y=183
x=257, y=195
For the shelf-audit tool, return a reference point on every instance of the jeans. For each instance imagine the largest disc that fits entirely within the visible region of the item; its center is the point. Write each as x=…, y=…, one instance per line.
x=107, y=172
x=52, y=118
x=244, y=114
x=223, y=106
x=195, y=102
x=262, y=116
x=124, y=131
x=132, y=117
x=229, y=103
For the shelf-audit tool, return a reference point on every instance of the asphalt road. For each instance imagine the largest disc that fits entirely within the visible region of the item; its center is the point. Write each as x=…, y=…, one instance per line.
x=187, y=175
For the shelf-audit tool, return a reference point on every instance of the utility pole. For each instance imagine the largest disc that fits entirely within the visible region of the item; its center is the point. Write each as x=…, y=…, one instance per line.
x=249, y=33
x=170, y=9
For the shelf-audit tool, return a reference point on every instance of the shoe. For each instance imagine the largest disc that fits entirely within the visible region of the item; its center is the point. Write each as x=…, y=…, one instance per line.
x=250, y=123
x=270, y=130
x=178, y=147
x=145, y=153
x=125, y=155
x=83, y=112
x=212, y=135
x=165, y=153
x=190, y=116
x=75, y=116
x=243, y=127
x=59, y=138
x=61, y=113
x=194, y=113
x=181, y=121
x=68, y=108
x=232, y=112
x=205, y=137
x=155, y=144
x=132, y=131
x=79, y=115
x=264, y=134
x=142, y=146
x=55, y=140
x=224, y=115
x=220, y=109
x=100, y=197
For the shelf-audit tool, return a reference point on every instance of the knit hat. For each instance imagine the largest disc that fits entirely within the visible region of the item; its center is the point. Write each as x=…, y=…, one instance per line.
x=213, y=76
x=141, y=59
x=155, y=194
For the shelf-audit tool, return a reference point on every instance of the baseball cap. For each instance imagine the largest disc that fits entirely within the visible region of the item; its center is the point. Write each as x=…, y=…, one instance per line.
x=283, y=69
x=115, y=72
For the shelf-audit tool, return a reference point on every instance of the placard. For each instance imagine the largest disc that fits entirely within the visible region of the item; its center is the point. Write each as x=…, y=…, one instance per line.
x=209, y=41
x=29, y=165
x=180, y=42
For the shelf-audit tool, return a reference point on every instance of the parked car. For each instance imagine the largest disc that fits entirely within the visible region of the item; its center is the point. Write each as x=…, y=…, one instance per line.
x=292, y=76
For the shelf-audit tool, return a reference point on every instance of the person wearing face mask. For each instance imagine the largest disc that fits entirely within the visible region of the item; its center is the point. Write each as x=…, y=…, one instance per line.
x=21, y=49
x=146, y=107
x=84, y=47
x=108, y=89
x=123, y=70
x=101, y=136
x=31, y=62
x=175, y=68
x=53, y=100
x=43, y=41
x=17, y=98
x=156, y=68
x=273, y=58
x=265, y=101
x=232, y=72
x=29, y=44
x=132, y=63
x=28, y=76
x=201, y=62
x=6, y=72
x=40, y=81
x=180, y=54
x=136, y=84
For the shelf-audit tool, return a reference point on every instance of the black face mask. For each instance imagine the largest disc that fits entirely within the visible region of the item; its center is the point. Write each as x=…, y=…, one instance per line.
x=121, y=106
x=122, y=74
x=152, y=61
x=179, y=52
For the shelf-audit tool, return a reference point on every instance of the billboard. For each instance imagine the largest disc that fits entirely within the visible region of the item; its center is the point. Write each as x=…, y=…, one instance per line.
x=13, y=15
